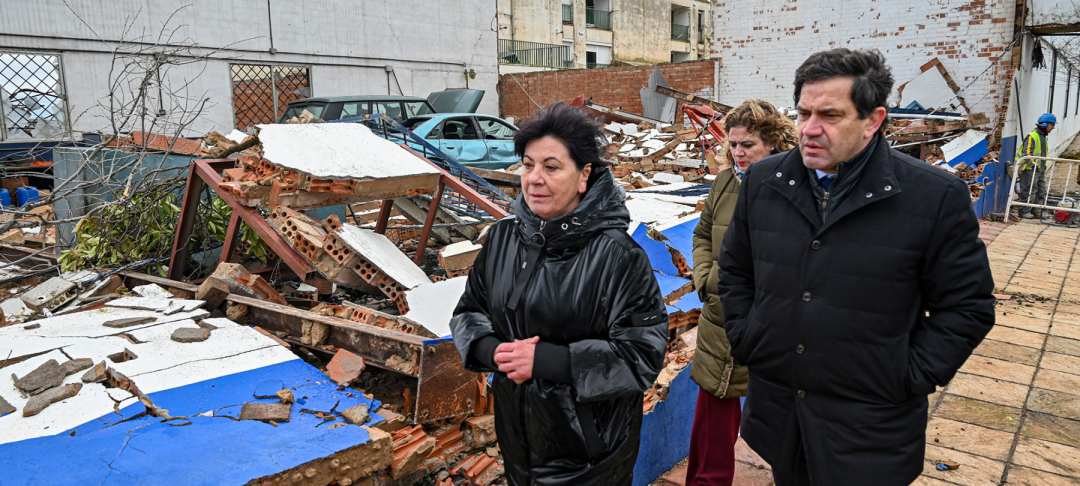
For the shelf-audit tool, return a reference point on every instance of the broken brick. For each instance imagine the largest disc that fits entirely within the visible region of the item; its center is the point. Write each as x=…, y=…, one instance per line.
x=48, y=375
x=213, y=291
x=5, y=407
x=38, y=403
x=285, y=395
x=266, y=412
x=97, y=374
x=235, y=312
x=128, y=322
x=345, y=367
x=480, y=431
x=357, y=415
x=411, y=446
x=190, y=334
x=392, y=421
x=76, y=365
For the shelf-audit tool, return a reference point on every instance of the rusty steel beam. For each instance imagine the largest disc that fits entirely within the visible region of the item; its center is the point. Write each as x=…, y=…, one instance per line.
x=433, y=210
x=230, y=238
x=188, y=213
x=384, y=216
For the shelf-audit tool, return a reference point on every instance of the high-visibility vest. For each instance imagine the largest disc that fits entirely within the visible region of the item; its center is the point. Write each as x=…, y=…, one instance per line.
x=1034, y=145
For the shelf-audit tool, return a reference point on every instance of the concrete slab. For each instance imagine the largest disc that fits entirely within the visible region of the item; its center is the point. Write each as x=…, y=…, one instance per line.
x=337, y=150
x=432, y=304
x=384, y=254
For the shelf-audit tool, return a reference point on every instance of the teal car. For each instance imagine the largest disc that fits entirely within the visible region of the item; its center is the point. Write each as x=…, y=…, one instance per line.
x=476, y=140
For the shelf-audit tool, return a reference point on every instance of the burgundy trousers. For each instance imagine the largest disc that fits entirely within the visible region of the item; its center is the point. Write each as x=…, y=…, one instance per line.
x=712, y=441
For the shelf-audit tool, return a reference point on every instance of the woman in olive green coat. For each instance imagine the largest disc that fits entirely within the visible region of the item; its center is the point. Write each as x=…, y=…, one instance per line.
x=755, y=129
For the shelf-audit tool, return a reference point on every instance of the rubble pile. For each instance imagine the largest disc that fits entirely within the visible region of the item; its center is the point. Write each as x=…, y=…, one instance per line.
x=644, y=154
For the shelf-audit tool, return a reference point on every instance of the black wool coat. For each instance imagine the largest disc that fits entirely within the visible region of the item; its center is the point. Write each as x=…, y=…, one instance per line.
x=583, y=286
x=847, y=325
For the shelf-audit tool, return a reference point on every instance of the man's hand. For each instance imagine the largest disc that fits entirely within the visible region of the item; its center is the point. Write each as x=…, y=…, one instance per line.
x=516, y=359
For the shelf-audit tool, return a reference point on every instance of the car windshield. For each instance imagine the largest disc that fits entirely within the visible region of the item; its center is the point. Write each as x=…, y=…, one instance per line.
x=295, y=110
x=415, y=108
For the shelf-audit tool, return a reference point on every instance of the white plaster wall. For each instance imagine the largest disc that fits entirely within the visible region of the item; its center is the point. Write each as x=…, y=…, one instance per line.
x=430, y=45
x=762, y=42
x=1053, y=12
x=1034, y=94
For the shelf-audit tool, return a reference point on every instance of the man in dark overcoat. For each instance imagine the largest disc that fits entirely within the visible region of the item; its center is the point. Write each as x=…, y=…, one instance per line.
x=853, y=282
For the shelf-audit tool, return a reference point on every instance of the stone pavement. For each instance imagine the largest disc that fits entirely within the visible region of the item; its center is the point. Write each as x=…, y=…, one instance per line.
x=1012, y=413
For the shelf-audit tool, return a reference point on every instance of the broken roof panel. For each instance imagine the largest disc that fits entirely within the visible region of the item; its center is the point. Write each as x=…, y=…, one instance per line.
x=384, y=254
x=338, y=150
x=432, y=304
x=204, y=382
x=967, y=149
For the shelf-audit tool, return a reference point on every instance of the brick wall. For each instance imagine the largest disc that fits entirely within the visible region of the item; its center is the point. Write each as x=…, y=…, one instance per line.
x=762, y=43
x=618, y=87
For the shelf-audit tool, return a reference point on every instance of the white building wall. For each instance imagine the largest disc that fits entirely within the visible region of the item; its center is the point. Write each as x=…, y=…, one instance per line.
x=1034, y=99
x=762, y=42
x=347, y=44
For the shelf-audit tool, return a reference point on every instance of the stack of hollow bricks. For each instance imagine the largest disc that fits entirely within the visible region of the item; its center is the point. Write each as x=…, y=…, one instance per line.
x=258, y=180
x=324, y=249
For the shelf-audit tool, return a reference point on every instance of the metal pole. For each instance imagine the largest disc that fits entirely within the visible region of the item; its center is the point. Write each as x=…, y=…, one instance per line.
x=1012, y=189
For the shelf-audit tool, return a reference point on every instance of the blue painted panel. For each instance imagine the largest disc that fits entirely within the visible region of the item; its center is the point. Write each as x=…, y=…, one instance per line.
x=681, y=238
x=997, y=180
x=665, y=432
x=659, y=256
x=211, y=450
x=972, y=155
x=668, y=283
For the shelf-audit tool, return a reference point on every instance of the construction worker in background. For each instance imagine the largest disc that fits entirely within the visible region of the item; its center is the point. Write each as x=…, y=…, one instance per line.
x=1031, y=182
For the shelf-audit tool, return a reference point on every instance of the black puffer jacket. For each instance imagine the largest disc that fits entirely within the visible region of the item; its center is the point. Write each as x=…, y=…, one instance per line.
x=587, y=290
x=847, y=324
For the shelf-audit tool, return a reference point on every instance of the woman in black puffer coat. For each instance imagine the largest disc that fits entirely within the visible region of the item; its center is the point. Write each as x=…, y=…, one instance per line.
x=562, y=305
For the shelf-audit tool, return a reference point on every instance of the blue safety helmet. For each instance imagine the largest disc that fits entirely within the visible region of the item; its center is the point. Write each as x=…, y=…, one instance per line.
x=1047, y=119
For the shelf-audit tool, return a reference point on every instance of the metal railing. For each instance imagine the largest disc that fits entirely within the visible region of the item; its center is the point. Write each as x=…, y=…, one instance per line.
x=535, y=54
x=596, y=65
x=567, y=14
x=1043, y=188
x=598, y=19
x=680, y=32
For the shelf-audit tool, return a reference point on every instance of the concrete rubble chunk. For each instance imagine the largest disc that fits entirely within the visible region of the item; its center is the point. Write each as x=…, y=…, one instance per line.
x=356, y=415
x=392, y=421
x=5, y=407
x=76, y=365
x=49, y=295
x=345, y=367
x=97, y=374
x=153, y=290
x=213, y=290
x=286, y=395
x=266, y=412
x=128, y=322
x=38, y=403
x=480, y=431
x=190, y=334
x=48, y=375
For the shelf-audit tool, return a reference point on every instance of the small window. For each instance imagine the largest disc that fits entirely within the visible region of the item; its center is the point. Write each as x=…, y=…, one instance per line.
x=496, y=130
x=32, y=99
x=351, y=109
x=391, y=108
x=417, y=108
x=459, y=129
x=295, y=110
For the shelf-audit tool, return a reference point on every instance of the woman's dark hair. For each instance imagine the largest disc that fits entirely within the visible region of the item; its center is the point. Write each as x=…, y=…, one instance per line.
x=873, y=80
x=575, y=129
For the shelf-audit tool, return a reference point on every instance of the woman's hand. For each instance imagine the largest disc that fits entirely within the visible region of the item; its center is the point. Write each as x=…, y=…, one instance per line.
x=516, y=359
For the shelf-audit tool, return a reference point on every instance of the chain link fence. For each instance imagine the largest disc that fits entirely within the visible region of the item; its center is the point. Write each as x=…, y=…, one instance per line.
x=261, y=92
x=33, y=103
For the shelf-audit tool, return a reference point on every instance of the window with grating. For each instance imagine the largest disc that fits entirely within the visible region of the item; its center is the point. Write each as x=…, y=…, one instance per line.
x=261, y=92
x=33, y=103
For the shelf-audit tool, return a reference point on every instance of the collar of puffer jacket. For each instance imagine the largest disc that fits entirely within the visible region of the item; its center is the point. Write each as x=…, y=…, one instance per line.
x=602, y=208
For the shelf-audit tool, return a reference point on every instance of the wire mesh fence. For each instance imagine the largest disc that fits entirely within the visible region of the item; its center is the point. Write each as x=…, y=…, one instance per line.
x=261, y=92
x=32, y=99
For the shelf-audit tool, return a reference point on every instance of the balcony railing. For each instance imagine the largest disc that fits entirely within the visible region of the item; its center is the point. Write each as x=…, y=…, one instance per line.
x=567, y=14
x=535, y=54
x=598, y=19
x=596, y=65
x=680, y=32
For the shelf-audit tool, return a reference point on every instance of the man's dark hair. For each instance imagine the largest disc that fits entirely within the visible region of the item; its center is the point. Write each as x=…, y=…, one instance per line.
x=575, y=129
x=873, y=80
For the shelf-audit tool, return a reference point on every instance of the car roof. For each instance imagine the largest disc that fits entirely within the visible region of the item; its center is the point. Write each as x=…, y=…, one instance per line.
x=338, y=99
